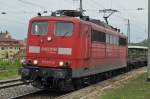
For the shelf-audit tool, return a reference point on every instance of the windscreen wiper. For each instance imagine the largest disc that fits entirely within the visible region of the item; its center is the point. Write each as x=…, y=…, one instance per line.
x=65, y=34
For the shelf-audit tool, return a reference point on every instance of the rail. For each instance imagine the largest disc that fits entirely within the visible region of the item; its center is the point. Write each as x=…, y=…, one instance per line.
x=27, y=95
x=11, y=83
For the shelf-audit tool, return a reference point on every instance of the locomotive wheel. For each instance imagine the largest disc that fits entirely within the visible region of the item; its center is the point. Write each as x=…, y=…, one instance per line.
x=61, y=84
x=78, y=84
x=108, y=75
x=99, y=77
x=93, y=79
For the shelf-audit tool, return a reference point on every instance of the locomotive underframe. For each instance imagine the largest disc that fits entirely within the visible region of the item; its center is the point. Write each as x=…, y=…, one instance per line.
x=46, y=78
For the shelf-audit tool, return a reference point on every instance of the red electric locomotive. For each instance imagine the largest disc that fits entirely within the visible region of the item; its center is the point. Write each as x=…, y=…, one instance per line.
x=63, y=51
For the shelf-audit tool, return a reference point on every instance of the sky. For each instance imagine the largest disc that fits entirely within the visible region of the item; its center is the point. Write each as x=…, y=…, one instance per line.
x=18, y=13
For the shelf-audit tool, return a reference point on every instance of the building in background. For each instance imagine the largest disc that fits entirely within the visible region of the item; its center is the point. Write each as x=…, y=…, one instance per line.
x=11, y=48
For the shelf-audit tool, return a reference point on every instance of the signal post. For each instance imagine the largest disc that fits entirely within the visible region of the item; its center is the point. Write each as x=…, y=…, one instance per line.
x=148, y=40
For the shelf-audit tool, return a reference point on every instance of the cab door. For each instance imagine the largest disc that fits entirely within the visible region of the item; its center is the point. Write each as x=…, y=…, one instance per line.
x=86, y=41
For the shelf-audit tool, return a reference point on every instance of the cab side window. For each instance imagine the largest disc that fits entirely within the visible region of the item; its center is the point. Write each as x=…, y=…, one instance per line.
x=98, y=36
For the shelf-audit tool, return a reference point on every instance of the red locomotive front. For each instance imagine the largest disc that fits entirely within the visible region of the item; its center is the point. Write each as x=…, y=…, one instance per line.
x=53, y=42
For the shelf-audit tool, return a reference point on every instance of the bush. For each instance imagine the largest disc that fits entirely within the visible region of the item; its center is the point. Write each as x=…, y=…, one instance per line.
x=9, y=64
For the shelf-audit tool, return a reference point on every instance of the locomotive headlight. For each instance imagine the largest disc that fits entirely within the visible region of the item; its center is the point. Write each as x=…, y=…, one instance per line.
x=49, y=38
x=61, y=63
x=35, y=62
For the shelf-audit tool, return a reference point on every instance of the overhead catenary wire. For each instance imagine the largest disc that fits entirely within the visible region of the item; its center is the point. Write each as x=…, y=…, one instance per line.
x=140, y=28
x=98, y=4
x=132, y=21
x=19, y=12
x=32, y=4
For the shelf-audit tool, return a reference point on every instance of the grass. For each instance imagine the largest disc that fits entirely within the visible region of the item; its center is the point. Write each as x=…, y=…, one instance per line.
x=137, y=88
x=9, y=64
x=8, y=74
x=9, y=69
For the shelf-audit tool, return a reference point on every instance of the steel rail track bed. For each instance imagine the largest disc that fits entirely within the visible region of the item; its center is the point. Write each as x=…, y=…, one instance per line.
x=11, y=83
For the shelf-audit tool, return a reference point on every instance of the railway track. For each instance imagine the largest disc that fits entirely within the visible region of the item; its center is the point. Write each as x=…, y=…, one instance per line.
x=27, y=95
x=41, y=94
x=47, y=94
x=11, y=83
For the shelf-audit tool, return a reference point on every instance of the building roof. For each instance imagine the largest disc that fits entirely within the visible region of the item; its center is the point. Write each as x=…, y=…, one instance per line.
x=138, y=47
x=6, y=39
x=5, y=34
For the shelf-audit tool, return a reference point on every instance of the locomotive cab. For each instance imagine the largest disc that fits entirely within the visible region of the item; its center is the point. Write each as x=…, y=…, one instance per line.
x=50, y=42
x=55, y=46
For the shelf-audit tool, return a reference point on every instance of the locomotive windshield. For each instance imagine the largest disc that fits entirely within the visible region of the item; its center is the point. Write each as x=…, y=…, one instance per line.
x=63, y=29
x=39, y=28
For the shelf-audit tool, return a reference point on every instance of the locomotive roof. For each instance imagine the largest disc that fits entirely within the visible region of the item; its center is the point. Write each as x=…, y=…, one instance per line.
x=63, y=18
